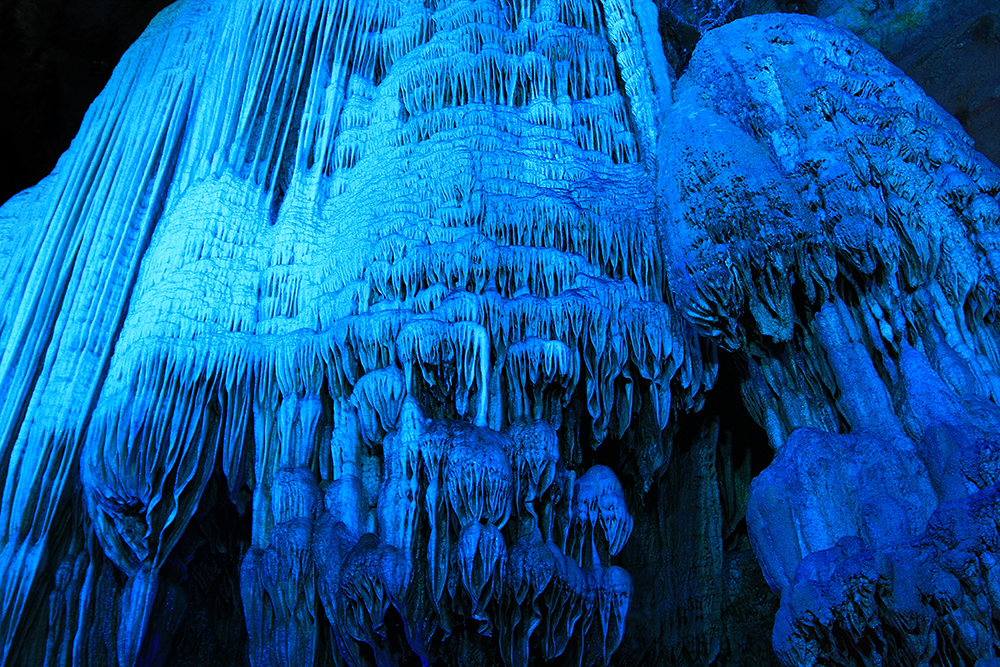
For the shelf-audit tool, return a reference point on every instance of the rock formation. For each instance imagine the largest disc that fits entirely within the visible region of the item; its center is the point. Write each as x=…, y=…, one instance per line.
x=368, y=332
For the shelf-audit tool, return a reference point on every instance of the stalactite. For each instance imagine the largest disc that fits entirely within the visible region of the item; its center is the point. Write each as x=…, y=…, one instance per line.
x=423, y=297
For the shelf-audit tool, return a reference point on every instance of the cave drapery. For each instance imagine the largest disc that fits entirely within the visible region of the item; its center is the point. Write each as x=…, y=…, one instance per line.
x=381, y=332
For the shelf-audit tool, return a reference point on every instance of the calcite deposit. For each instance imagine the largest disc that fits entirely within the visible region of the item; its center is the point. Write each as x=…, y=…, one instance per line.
x=367, y=332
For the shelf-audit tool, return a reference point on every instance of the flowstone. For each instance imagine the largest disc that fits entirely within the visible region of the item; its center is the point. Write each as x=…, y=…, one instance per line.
x=364, y=332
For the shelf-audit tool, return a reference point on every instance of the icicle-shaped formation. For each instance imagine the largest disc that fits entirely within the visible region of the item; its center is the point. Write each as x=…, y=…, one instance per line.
x=413, y=257
x=342, y=246
x=73, y=245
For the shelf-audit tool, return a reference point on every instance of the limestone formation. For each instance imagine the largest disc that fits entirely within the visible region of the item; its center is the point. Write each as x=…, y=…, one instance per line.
x=379, y=332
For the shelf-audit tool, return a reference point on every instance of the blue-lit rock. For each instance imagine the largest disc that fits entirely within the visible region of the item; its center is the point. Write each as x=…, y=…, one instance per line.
x=423, y=290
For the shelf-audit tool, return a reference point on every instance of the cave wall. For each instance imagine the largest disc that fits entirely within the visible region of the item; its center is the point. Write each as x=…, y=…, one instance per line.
x=459, y=330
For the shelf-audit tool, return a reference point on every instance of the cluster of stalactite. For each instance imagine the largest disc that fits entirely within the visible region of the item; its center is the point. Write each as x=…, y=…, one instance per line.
x=370, y=283
x=369, y=329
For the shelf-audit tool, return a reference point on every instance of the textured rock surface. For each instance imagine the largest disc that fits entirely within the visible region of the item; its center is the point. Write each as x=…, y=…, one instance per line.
x=951, y=48
x=865, y=300
x=398, y=333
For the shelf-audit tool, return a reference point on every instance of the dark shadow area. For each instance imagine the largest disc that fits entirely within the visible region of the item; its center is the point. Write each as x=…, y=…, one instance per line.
x=55, y=57
x=200, y=585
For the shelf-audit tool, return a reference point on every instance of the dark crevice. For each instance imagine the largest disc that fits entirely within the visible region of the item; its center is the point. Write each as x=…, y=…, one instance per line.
x=204, y=570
